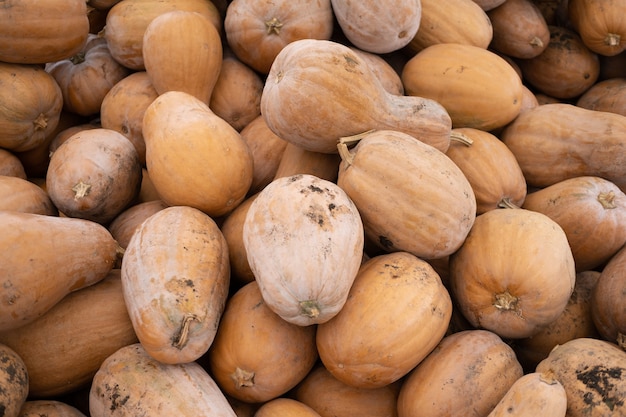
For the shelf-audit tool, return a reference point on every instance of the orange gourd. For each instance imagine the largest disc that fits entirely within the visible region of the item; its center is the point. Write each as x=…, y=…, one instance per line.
x=599, y=24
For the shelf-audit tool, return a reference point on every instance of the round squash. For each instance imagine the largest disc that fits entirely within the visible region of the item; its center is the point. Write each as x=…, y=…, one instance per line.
x=607, y=303
x=285, y=407
x=305, y=276
x=297, y=160
x=319, y=91
x=36, y=33
x=514, y=273
x=467, y=374
x=232, y=229
x=94, y=175
x=478, y=88
x=13, y=380
x=606, y=95
x=78, y=333
x=490, y=167
x=592, y=373
x=194, y=157
x=63, y=254
x=49, y=408
x=11, y=165
x=124, y=225
x=599, y=24
x=28, y=114
x=132, y=383
x=592, y=213
x=190, y=64
x=413, y=181
x=257, y=31
x=407, y=310
x=18, y=194
x=374, y=27
x=257, y=356
x=175, y=277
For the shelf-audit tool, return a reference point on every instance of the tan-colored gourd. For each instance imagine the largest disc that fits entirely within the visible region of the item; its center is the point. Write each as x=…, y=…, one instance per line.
x=49, y=408
x=599, y=24
x=19, y=194
x=13, y=380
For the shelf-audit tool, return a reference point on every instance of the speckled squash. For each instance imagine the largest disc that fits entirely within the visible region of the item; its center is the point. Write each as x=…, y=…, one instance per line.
x=13, y=380
x=49, y=408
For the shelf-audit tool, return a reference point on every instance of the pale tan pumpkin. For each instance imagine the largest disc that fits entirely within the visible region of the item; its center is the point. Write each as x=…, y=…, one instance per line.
x=385, y=72
x=304, y=277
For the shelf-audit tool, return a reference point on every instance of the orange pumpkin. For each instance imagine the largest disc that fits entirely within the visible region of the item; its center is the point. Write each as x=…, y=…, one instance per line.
x=11, y=165
x=18, y=194
x=287, y=407
x=257, y=31
x=514, y=273
x=175, y=276
x=36, y=33
x=297, y=160
x=606, y=95
x=599, y=24
x=124, y=225
x=232, y=229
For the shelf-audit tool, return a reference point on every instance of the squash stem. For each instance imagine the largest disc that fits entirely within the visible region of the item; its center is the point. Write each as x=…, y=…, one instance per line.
x=607, y=200
x=461, y=138
x=506, y=203
x=346, y=141
x=612, y=39
x=183, y=336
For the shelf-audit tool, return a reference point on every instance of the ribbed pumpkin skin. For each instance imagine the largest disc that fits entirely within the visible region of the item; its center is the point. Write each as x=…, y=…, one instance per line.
x=466, y=374
x=553, y=142
x=132, y=383
x=304, y=277
x=404, y=171
x=592, y=213
x=600, y=24
x=354, y=100
x=257, y=356
x=175, y=276
x=514, y=273
x=407, y=310
x=455, y=75
x=37, y=33
x=533, y=394
x=592, y=373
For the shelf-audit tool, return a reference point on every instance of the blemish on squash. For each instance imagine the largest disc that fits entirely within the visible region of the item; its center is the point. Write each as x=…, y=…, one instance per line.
x=599, y=379
x=242, y=378
x=385, y=242
x=310, y=308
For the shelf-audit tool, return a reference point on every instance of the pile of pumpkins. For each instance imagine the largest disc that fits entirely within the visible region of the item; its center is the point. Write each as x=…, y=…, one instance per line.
x=312, y=208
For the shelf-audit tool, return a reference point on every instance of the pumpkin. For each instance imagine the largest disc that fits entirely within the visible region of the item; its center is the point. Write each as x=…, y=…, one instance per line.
x=175, y=276
x=124, y=106
x=304, y=277
x=127, y=21
x=267, y=151
x=575, y=322
x=452, y=21
x=257, y=31
x=232, y=229
x=49, y=408
x=192, y=63
x=414, y=181
x=592, y=373
x=27, y=115
x=18, y=194
x=514, y=273
x=147, y=191
x=490, y=167
x=34, y=33
x=11, y=165
x=606, y=95
x=130, y=382
x=94, y=175
x=67, y=133
x=63, y=255
x=86, y=77
x=407, y=310
x=297, y=160
x=535, y=393
x=467, y=374
x=79, y=332
x=330, y=397
x=454, y=75
x=384, y=71
x=13, y=380
x=599, y=25
x=194, y=157
x=519, y=29
x=592, y=213
x=257, y=356
x=354, y=100
x=557, y=141
x=287, y=407
x=607, y=304
x=565, y=69
x=124, y=225
x=373, y=27
x=236, y=96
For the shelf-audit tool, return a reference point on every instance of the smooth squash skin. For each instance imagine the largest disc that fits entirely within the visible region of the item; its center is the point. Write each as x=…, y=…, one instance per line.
x=304, y=277
x=132, y=383
x=319, y=91
x=592, y=373
x=533, y=394
x=407, y=310
x=599, y=24
x=606, y=95
x=13, y=380
x=63, y=255
x=78, y=333
x=477, y=87
x=514, y=273
x=553, y=142
x=257, y=356
x=287, y=407
x=19, y=194
x=466, y=374
x=607, y=303
x=175, y=276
